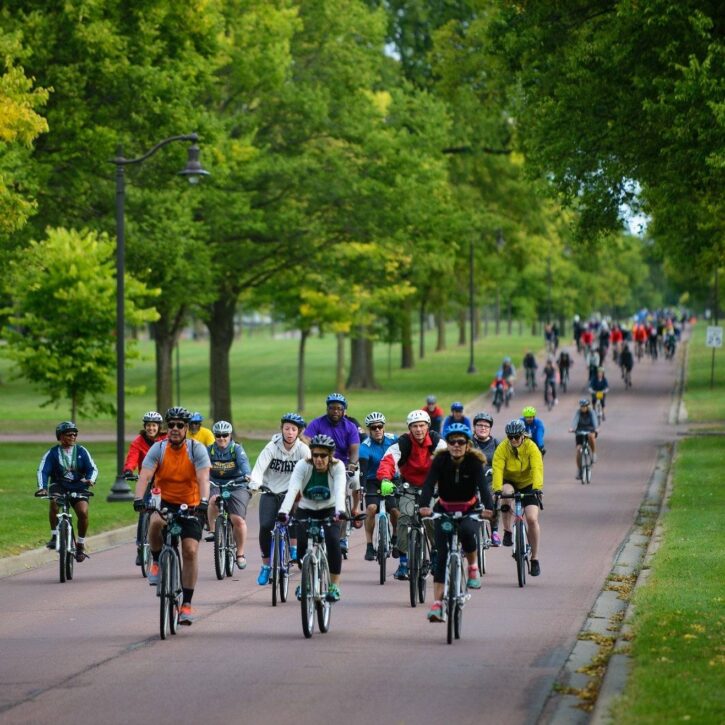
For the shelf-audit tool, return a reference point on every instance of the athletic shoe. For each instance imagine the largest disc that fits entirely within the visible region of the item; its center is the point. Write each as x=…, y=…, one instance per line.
x=81, y=552
x=333, y=593
x=474, y=580
x=209, y=537
x=293, y=553
x=402, y=572
x=508, y=539
x=186, y=615
x=369, y=553
x=437, y=613
x=298, y=592
x=51, y=543
x=242, y=561
x=264, y=574
x=343, y=545
x=153, y=574
x=535, y=568
x=495, y=539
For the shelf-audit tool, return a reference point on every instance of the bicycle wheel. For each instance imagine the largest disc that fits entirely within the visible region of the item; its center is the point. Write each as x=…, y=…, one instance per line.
x=219, y=546
x=382, y=552
x=322, y=604
x=307, y=598
x=481, y=546
x=63, y=547
x=586, y=466
x=165, y=594
x=145, y=548
x=564, y=381
x=454, y=572
x=284, y=565
x=174, y=597
x=275, y=565
x=424, y=566
x=520, y=553
x=231, y=549
x=458, y=613
x=70, y=559
x=413, y=565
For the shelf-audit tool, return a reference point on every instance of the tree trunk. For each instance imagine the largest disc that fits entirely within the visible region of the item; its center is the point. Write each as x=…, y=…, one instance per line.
x=304, y=334
x=406, y=330
x=498, y=312
x=166, y=334
x=221, y=337
x=421, y=331
x=485, y=321
x=441, y=328
x=340, y=368
x=362, y=373
x=462, y=326
x=510, y=322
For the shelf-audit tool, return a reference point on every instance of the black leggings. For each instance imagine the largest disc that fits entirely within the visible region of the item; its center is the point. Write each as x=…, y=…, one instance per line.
x=466, y=535
x=269, y=505
x=332, y=537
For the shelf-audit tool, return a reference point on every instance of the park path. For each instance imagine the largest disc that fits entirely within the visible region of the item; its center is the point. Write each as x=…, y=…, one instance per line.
x=89, y=650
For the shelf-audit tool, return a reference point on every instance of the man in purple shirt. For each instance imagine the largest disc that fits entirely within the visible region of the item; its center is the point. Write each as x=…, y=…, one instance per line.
x=347, y=444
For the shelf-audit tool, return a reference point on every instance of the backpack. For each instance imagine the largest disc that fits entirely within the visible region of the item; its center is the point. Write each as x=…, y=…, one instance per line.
x=405, y=445
x=190, y=449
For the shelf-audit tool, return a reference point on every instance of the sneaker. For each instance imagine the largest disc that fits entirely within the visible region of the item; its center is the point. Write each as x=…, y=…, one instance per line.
x=436, y=613
x=81, y=552
x=209, y=537
x=369, y=553
x=153, y=574
x=402, y=572
x=186, y=615
x=495, y=539
x=343, y=545
x=298, y=592
x=474, y=579
x=508, y=539
x=51, y=543
x=395, y=553
x=264, y=574
x=139, y=556
x=333, y=593
x=535, y=568
x=293, y=553
x=242, y=561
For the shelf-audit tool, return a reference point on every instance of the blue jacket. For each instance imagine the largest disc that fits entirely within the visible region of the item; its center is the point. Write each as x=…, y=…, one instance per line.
x=371, y=453
x=535, y=431
x=54, y=468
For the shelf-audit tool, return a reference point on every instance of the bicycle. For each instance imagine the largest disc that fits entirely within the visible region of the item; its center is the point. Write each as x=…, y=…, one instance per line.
x=279, y=558
x=563, y=378
x=549, y=394
x=531, y=379
x=65, y=540
x=498, y=397
x=225, y=545
x=382, y=537
x=627, y=377
x=455, y=587
x=599, y=404
x=419, y=552
x=521, y=548
x=144, y=550
x=587, y=458
x=483, y=544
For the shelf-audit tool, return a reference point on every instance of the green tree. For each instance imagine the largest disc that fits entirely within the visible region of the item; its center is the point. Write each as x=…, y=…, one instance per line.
x=61, y=329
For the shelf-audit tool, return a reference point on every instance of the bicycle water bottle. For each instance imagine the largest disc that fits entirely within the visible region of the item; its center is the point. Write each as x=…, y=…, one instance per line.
x=156, y=497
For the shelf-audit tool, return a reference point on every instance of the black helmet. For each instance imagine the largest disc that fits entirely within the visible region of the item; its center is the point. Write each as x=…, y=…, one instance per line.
x=515, y=428
x=322, y=441
x=65, y=427
x=295, y=418
x=177, y=413
x=484, y=416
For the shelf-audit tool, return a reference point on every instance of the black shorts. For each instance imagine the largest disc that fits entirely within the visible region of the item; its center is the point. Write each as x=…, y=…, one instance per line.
x=580, y=438
x=529, y=498
x=57, y=488
x=190, y=525
x=372, y=497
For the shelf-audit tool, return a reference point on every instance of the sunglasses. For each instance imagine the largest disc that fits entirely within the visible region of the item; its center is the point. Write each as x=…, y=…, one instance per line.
x=457, y=442
x=221, y=435
x=176, y=424
x=376, y=427
x=73, y=434
x=320, y=455
x=514, y=438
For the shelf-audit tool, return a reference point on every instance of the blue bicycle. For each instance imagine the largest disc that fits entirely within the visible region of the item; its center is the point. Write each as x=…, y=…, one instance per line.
x=279, y=559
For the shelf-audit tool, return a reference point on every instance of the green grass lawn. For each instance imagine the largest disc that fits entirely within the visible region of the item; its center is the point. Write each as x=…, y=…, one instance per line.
x=702, y=402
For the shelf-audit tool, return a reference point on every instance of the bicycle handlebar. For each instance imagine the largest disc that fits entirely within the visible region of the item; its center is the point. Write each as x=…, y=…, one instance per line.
x=43, y=493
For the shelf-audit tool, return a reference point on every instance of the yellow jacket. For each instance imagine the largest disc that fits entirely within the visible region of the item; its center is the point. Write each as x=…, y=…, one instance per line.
x=203, y=435
x=522, y=466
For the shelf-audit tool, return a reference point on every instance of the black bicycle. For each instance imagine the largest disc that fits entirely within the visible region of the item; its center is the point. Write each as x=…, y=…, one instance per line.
x=225, y=545
x=531, y=379
x=419, y=552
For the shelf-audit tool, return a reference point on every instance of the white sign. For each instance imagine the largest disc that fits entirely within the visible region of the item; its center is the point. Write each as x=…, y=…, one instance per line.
x=714, y=337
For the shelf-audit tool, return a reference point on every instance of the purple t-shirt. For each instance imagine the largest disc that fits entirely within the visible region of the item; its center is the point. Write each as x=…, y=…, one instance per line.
x=344, y=433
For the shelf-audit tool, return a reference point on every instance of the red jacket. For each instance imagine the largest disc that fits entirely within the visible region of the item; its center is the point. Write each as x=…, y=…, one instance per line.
x=137, y=451
x=415, y=470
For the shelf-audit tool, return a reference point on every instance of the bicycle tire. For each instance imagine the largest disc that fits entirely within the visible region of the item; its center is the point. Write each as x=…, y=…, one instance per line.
x=145, y=548
x=458, y=615
x=307, y=597
x=164, y=596
x=424, y=567
x=586, y=466
x=413, y=565
x=63, y=548
x=382, y=553
x=71, y=557
x=322, y=604
x=219, y=546
x=275, y=565
x=231, y=549
x=284, y=567
x=454, y=571
x=175, y=593
x=482, y=542
x=520, y=554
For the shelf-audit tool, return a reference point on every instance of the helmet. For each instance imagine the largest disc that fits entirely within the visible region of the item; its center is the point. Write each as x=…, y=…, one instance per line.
x=221, y=426
x=507, y=360
x=460, y=428
x=65, y=427
x=177, y=413
x=417, y=416
x=484, y=416
x=336, y=398
x=374, y=417
x=583, y=401
x=529, y=412
x=515, y=427
x=600, y=369
x=152, y=417
x=196, y=417
x=431, y=400
x=298, y=420
x=457, y=406
x=322, y=441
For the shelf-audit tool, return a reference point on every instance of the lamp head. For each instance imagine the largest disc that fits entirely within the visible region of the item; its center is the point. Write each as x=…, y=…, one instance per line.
x=193, y=170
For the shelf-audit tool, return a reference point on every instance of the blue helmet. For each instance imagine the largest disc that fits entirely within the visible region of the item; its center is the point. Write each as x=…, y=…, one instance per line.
x=457, y=406
x=337, y=398
x=298, y=420
x=196, y=417
x=460, y=429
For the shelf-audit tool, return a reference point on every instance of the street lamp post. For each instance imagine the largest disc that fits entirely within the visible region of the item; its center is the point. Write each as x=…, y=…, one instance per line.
x=471, y=365
x=193, y=171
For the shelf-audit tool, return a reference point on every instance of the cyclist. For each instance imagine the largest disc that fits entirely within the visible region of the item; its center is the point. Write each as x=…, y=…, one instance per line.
x=411, y=456
x=320, y=481
x=456, y=416
x=229, y=462
x=508, y=373
x=180, y=468
x=626, y=360
x=564, y=363
x=273, y=469
x=372, y=450
x=616, y=338
x=435, y=412
x=198, y=432
x=585, y=419
x=593, y=363
x=549, y=375
x=499, y=384
x=530, y=368
x=148, y=435
x=599, y=385
x=67, y=467
x=517, y=464
x=486, y=443
x=346, y=435
x=458, y=472
x=577, y=329
x=534, y=427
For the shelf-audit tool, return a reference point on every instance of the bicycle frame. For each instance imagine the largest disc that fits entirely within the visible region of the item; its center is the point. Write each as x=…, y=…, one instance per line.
x=225, y=546
x=521, y=551
x=279, y=561
x=382, y=534
x=418, y=550
x=586, y=457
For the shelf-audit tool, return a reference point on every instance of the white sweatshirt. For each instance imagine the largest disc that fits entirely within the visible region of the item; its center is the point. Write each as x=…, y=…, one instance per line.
x=300, y=478
x=275, y=464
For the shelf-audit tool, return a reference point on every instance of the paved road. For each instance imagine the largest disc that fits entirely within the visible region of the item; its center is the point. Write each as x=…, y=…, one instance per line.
x=89, y=650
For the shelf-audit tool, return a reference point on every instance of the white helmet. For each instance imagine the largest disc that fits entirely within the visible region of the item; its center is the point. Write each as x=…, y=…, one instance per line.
x=222, y=427
x=417, y=416
x=374, y=417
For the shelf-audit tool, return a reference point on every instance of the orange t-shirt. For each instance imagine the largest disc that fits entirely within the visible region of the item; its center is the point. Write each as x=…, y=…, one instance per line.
x=176, y=477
